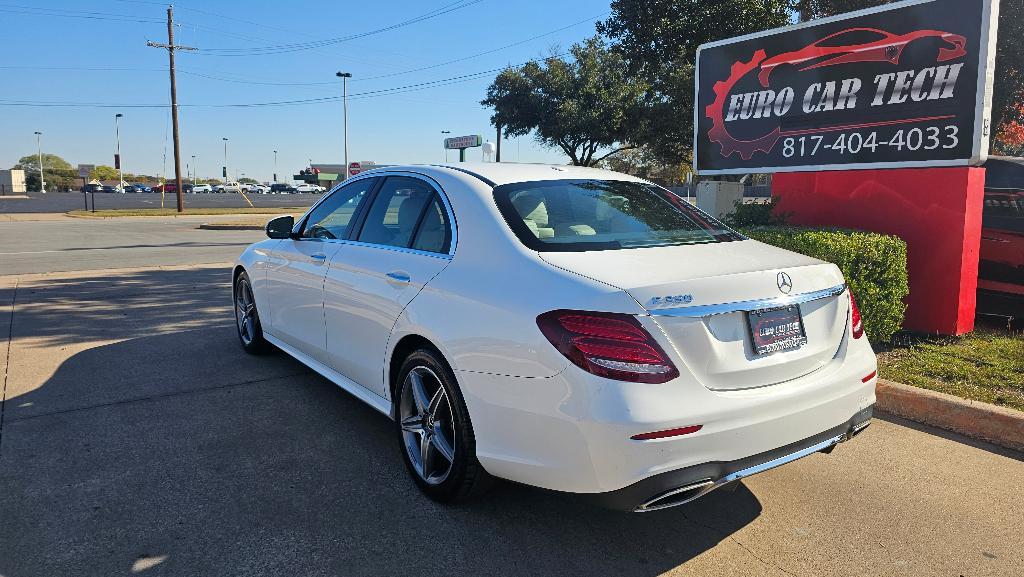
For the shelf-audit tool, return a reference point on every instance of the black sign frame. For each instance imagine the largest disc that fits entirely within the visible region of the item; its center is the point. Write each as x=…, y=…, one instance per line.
x=764, y=151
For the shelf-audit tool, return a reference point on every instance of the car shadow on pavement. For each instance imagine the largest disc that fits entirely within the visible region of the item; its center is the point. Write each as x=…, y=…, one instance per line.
x=173, y=452
x=73, y=308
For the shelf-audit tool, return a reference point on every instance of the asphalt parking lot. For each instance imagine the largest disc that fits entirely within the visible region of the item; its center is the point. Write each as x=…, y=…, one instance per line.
x=137, y=437
x=65, y=201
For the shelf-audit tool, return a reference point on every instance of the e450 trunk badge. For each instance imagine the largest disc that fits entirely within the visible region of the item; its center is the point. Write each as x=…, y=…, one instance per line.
x=669, y=300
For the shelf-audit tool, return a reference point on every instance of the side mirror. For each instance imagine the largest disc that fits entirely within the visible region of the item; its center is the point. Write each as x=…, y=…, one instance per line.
x=280, y=227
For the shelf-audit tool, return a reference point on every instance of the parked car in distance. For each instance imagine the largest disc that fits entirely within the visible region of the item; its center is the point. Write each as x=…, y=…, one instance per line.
x=281, y=188
x=137, y=188
x=172, y=188
x=1001, y=262
x=111, y=188
x=258, y=188
x=202, y=188
x=565, y=327
x=228, y=187
x=308, y=188
x=92, y=188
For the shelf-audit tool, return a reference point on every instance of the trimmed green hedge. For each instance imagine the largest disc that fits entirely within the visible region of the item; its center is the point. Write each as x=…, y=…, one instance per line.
x=875, y=267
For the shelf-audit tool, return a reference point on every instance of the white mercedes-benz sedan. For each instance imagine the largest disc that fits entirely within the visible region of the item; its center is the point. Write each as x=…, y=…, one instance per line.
x=563, y=327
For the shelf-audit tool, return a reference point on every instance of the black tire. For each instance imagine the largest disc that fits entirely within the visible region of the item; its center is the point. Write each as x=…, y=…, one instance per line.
x=465, y=477
x=247, y=319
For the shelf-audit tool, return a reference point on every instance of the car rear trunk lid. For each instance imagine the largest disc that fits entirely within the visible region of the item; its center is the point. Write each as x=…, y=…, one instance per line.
x=700, y=296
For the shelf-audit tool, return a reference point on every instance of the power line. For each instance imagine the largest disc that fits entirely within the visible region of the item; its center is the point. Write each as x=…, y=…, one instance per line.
x=286, y=48
x=404, y=72
x=83, y=14
x=366, y=94
x=486, y=52
x=84, y=68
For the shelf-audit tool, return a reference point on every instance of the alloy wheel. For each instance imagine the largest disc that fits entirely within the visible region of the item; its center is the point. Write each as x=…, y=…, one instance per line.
x=245, y=312
x=425, y=416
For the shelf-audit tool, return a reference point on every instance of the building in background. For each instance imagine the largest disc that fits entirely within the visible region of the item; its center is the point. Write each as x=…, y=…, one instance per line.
x=12, y=182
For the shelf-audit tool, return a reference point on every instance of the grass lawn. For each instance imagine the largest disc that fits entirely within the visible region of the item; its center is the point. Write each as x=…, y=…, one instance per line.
x=986, y=365
x=188, y=211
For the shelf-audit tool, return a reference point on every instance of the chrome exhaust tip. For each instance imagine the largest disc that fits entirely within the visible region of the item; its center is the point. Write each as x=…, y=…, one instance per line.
x=676, y=497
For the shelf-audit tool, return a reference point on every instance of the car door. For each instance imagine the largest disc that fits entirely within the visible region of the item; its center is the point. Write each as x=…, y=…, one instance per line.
x=405, y=239
x=295, y=278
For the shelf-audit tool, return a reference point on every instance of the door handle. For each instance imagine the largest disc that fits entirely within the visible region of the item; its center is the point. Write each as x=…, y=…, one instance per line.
x=398, y=276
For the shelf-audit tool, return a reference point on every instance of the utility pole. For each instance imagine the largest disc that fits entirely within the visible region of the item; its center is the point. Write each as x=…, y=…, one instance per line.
x=39, y=147
x=117, y=153
x=275, y=166
x=195, y=169
x=224, y=172
x=171, y=47
x=344, y=99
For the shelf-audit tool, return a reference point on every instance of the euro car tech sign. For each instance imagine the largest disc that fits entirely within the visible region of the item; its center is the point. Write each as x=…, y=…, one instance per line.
x=901, y=85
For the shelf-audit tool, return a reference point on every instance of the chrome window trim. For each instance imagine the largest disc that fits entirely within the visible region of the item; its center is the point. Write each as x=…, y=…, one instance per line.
x=384, y=173
x=442, y=255
x=751, y=305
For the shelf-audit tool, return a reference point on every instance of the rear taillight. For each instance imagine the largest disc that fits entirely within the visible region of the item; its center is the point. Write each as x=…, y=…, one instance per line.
x=856, y=325
x=609, y=345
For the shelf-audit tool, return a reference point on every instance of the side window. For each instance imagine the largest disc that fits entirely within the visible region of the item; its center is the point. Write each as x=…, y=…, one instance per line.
x=396, y=212
x=331, y=219
x=435, y=233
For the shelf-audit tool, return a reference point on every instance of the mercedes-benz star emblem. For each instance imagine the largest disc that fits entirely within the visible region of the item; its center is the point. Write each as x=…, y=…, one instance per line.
x=785, y=283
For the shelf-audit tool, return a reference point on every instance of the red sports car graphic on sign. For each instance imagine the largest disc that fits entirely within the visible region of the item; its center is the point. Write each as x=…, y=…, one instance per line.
x=887, y=48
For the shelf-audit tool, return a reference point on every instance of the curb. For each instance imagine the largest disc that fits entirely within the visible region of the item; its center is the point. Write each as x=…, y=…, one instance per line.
x=230, y=226
x=998, y=425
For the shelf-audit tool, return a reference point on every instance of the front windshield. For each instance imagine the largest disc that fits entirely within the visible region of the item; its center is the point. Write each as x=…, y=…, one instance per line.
x=581, y=215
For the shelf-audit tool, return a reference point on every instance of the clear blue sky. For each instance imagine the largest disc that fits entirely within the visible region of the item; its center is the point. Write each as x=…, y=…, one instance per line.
x=47, y=48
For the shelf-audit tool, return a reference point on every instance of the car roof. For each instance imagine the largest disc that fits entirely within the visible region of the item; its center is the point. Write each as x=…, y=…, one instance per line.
x=498, y=173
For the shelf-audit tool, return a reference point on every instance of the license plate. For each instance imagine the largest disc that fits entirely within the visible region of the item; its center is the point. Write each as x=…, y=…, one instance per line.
x=774, y=330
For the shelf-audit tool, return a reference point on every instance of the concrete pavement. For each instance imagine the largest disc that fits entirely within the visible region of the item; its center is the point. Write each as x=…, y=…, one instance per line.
x=138, y=436
x=59, y=243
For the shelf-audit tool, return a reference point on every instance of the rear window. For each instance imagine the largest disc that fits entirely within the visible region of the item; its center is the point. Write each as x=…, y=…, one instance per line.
x=583, y=215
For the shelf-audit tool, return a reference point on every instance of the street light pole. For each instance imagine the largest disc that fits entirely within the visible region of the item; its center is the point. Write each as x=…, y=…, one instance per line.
x=344, y=99
x=275, y=166
x=224, y=173
x=39, y=146
x=195, y=169
x=445, y=147
x=117, y=154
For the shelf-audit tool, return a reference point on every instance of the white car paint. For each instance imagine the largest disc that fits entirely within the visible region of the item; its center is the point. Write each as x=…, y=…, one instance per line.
x=538, y=418
x=309, y=188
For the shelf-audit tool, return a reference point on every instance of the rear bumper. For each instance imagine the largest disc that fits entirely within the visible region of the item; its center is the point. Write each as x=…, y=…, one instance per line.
x=573, y=431
x=690, y=483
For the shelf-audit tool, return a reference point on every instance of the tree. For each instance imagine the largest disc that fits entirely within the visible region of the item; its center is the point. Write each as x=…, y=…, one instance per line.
x=1009, y=140
x=659, y=40
x=51, y=162
x=58, y=172
x=640, y=162
x=103, y=172
x=247, y=180
x=586, y=105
